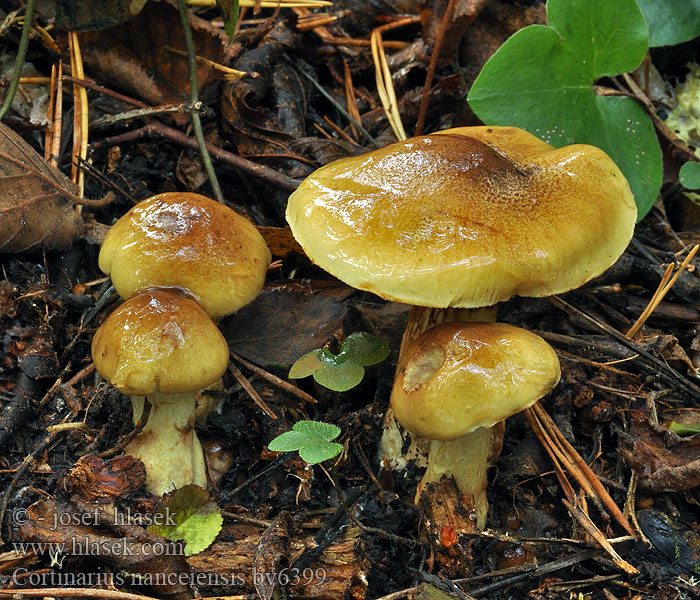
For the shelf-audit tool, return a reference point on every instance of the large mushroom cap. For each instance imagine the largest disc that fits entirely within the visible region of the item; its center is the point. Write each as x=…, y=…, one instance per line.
x=465, y=218
x=188, y=241
x=159, y=341
x=457, y=377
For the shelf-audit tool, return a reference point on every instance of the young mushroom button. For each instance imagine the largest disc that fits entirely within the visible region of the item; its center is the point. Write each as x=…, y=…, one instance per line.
x=187, y=241
x=455, y=382
x=162, y=345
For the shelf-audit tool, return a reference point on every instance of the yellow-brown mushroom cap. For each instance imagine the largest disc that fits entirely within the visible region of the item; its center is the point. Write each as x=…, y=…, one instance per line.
x=159, y=341
x=457, y=377
x=188, y=241
x=465, y=218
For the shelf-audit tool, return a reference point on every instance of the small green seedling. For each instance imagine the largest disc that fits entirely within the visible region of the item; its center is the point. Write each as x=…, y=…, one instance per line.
x=683, y=429
x=343, y=371
x=190, y=516
x=313, y=440
x=689, y=175
x=229, y=10
x=542, y=80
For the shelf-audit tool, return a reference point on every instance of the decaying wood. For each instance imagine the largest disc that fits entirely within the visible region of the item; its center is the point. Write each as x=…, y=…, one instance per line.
x=339, y=573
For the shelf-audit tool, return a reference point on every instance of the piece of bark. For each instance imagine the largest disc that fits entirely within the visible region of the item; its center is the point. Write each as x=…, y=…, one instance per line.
x=339, y=573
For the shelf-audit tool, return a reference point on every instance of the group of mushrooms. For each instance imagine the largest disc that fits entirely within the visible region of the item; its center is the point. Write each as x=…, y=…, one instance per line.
x=450, y=223
x=180, y=261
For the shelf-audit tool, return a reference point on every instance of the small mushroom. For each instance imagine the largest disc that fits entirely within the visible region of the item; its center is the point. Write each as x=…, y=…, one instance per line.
x=187, y=241
x=458, y=380
x=161, y=344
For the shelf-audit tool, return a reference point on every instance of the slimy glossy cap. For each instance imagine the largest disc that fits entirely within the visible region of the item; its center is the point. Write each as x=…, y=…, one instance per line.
x=159, y=341
x=187, y=241
x=457, y=377
x=465, y=218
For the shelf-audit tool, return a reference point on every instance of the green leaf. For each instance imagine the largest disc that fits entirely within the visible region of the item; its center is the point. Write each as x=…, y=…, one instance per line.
x=542, y=79
x=306, y=365
x=671, y=22
x=340, y=377
x=188, y=515
x=316, y=454
x=326, y=431
x=345, y=370
x=290, y=441
x=364, y=348
x=229, y=13
x=312, y=439
x=684, y=428
x=689, y=175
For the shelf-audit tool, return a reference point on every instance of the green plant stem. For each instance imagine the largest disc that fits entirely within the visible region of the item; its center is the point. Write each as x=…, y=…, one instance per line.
x=19, y=61
x=196, y=121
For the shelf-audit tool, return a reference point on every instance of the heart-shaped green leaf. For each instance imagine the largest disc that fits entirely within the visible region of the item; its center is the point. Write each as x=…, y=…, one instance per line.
x=188, y=515
x=341, y=376
x=306, y=365
x=671, y=22
x=542, y=79
x=689, y=175
x=345, y=370
x=364, y=348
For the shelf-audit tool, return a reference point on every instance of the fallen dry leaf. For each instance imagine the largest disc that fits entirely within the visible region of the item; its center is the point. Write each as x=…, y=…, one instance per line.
x=664, y=461
x=143, y=55
x=281, y=325
x=37, y=204
x=93, y=478
x=76, y=15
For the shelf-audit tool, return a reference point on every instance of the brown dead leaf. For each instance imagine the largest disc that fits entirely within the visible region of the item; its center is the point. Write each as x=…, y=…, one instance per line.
x=465, y=11
x=279, y=326
x=78, y=15
x=664, y=461
x=37, y=204
x=280, y=240
x=137, y=55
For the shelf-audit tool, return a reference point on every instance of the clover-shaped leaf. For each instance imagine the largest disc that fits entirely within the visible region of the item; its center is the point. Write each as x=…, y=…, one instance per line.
x=542, y=80
x=190, y=516
x=345, y=370
x=312, y=439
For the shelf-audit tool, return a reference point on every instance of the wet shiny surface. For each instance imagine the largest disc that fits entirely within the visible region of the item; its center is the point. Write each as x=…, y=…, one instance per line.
x=457, y=377
x=467, y=217
x=159, y=341
x=188, y=241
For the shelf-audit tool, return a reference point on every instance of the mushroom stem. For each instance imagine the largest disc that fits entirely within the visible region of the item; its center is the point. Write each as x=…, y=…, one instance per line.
x=467, y=460
x=168, y=445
